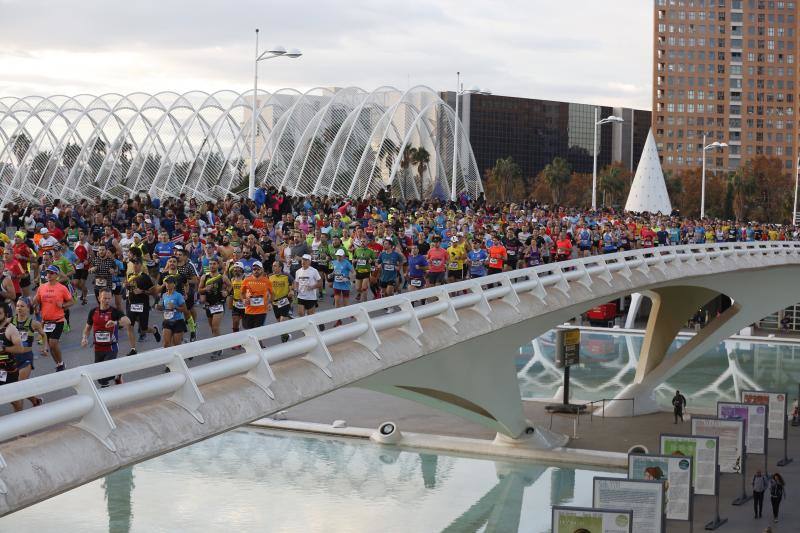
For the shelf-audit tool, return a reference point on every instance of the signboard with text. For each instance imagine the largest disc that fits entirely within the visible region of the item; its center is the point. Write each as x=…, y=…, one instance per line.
x=703, y=450
x=755, y=422
x=731, y=440
x=568, y=347
x=676, y=472
x=580, y=519
x=776, y=401
x=644, y=498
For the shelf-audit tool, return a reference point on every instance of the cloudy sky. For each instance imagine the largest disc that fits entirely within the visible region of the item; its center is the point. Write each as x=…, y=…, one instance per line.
x=572, y=50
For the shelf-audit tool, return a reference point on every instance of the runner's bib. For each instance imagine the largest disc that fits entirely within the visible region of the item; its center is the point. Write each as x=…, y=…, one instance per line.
x=3, y=376
x=341, y=279
x=137, y=308
x=416, y=282
x=453, y=266
x=493, y=261
x=477, y=262
x=437, y=262
x=168, y=315
x=361, y=262
x=102, y=337
x=238, y=304
x=216, y=309
x=100, y=282
x=511, y=252
x=283, y=302
x=388, y=268
x=256, y=300
x=49, y=327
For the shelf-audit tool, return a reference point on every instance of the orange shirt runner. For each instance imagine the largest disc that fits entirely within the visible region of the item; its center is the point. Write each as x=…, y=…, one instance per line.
x=497, y=254
x=256, y=293
x=52, y=297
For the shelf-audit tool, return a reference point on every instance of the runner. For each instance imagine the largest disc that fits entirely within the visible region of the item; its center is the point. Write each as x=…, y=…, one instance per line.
x=342, y=268
x=257, y=294
x=477, y=258
x=52, y=299
x=437, y=262
x=214, y=289
x=173, y=305
x=27, y=327
x=282, y=295
x=389, y=263
x=306, y=282
x=105, y=321
x=10, y=346
x=140, y=286
x=235, y=301
x=364, y=259
x=417, y=266
x=188, y=271
x=456, y=254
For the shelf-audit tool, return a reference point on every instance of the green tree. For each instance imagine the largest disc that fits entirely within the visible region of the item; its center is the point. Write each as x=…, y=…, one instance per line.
x=556, y=175
x=421, y=159
x=742, y=186
x=611, y=181
x=504, y=181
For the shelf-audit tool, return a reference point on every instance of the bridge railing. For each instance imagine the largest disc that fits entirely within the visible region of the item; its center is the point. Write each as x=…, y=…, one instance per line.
x=91, y=406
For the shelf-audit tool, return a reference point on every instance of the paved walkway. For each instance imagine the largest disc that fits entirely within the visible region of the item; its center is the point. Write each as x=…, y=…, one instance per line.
x=362, y=408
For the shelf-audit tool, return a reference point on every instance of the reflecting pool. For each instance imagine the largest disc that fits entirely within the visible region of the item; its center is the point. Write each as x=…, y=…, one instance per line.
x=608, y=364
x=257, y=480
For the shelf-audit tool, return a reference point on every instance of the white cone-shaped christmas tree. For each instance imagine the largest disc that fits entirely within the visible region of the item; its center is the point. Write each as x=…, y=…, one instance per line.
x=649, y=191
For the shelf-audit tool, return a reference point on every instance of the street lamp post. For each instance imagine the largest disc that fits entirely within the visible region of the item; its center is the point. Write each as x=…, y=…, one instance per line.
x=276, y=51
x=715, y=144
x=459, y=91
x=597, y=123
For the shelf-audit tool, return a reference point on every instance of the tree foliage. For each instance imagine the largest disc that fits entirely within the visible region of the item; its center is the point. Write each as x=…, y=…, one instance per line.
x=504, y=182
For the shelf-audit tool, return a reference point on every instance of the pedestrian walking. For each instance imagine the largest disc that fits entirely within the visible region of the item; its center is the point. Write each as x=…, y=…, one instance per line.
x=760, y=485
x=777, y=492
x=678, y=405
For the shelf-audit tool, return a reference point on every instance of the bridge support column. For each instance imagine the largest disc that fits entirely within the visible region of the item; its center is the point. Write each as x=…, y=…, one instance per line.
x=470, y=380
x=671, y=309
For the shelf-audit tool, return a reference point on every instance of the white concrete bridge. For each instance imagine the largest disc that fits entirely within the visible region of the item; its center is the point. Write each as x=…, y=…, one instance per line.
x=455, y=351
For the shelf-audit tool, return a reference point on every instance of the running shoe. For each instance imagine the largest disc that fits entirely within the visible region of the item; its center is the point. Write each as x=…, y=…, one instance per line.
x=132, y=352
x=60, y=367
x=156, y=334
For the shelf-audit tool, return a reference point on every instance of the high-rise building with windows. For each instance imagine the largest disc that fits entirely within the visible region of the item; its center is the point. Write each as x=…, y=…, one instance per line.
x=725, y=68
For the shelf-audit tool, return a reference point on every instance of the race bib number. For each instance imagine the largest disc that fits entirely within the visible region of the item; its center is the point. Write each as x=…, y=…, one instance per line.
x=388, y=268
x=169, y=315
x=103, y=337
x=49, y=327
x=256, y=300
x=79, y=266
x=100, y=282
x=238, y=304
x=494, y=261
x=511, y=252
x=137, y=308
x=341, y=279
x=416, y=283
x=23, y=336
x=437, y=262
x=283, y=302
x=477, y=263
x=3, y=376
x=215, y=309
x=361, y=262
x=453, y=266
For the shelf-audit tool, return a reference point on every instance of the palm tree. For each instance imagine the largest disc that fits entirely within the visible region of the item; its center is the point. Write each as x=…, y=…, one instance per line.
x=20, y=144
x=611, y=183
x=421, y=158
x=742, y=186
x=409, y=153
x=556, y=175
x=504, y=181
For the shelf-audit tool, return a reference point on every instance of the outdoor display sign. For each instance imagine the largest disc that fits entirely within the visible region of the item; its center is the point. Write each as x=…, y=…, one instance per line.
x=704, y=450
x=755, y=422
x=644, y=498
x=676, y=472
x=776, y=422
x=588, y=520
x=568, y=347
x=731, y=440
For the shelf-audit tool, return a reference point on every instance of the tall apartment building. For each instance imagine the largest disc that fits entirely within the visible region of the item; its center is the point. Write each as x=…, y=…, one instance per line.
x=725, y=68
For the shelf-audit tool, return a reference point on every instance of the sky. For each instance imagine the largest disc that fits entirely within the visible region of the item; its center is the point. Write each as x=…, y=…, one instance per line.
x=587, y=51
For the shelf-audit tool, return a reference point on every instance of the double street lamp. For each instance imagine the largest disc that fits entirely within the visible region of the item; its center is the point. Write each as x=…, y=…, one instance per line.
x=715, y=144
x=460, y=91
x=275, y=51
x=597, y=123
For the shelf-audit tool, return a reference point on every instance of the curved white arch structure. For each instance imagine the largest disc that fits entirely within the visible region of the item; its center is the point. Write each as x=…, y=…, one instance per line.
x=331, y=141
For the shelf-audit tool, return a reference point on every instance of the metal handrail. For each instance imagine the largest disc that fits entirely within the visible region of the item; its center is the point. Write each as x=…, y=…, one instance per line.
x=92, y=405
x=604, y=400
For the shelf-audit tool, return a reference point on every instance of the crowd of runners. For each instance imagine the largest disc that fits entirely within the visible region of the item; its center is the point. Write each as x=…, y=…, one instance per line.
x=150, y=267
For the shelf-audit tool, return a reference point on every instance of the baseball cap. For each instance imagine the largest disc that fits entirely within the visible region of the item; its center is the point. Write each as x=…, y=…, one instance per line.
x=307, y=256
x=453, y=239
x=54, y=269
x=178, y=247
x=257, y=264
x=170, y=279
x=137, y=236
x=238, y=264
x=340, y=252
x=20, y=234
x=43, y=231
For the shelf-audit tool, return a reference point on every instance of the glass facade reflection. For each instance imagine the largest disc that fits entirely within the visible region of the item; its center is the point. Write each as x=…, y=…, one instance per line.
x=534, y=132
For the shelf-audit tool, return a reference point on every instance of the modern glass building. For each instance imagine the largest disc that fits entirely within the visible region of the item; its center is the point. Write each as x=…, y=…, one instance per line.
x=534, y=132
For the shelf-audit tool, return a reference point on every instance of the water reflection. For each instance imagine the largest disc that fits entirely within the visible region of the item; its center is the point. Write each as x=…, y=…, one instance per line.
x=608, y=364
x=250, y=480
